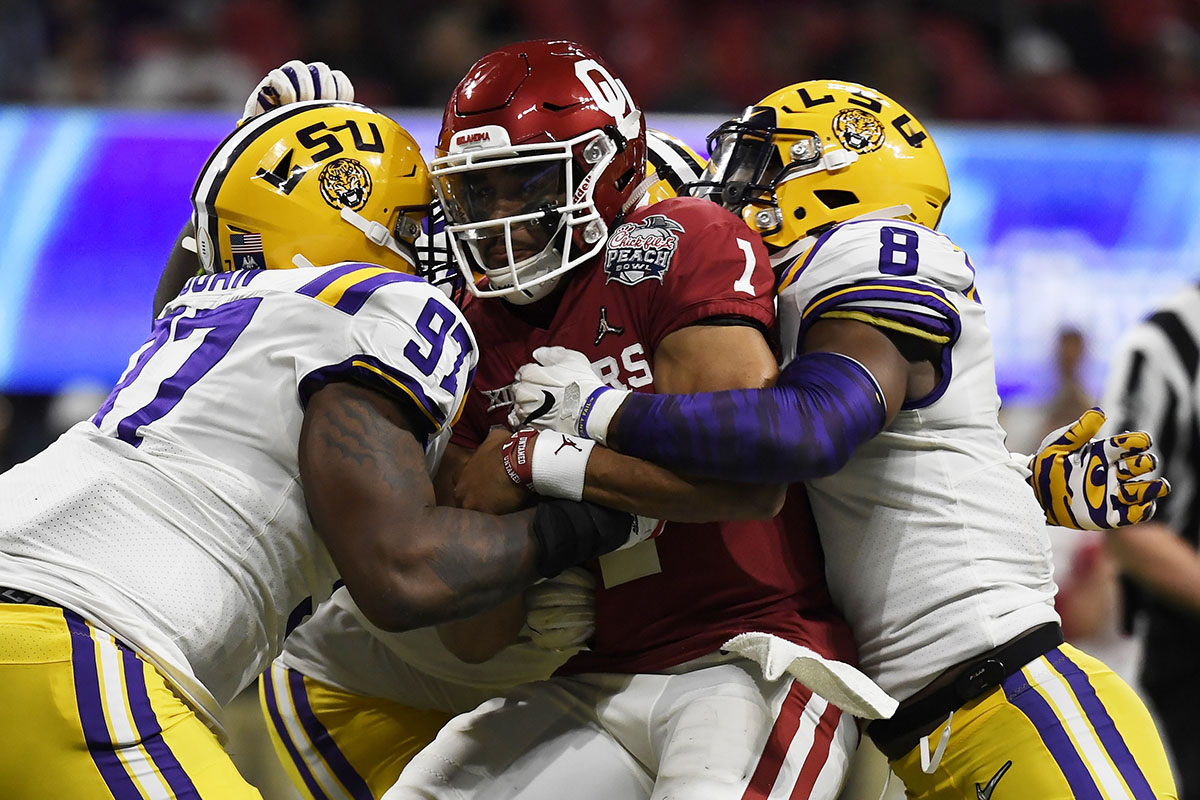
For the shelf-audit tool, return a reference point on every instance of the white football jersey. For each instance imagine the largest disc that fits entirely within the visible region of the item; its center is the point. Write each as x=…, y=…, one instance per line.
x=936, y=548
x=175, y=518
x=340, y=647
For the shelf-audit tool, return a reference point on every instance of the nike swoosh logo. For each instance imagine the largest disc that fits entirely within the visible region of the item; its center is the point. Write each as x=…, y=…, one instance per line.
x=542, y=410
x=985, y=792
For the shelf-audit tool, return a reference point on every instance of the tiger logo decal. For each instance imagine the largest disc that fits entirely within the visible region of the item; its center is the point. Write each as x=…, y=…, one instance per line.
x=345, y=183
x=858, y=130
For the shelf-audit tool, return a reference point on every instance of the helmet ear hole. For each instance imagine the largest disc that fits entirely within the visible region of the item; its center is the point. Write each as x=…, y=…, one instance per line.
x=835, y=198
x=799, y=213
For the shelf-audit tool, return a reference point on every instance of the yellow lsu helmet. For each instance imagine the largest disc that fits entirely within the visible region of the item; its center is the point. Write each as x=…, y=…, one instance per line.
x=312, y=183
x=818, y=153
x=670, y=164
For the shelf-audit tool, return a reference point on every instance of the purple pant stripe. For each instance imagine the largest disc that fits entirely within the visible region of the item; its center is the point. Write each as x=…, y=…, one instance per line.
x=91, y=711
x=150, y=732
x=1053, y=734
x=277, y=720
x=1103, y=724
x=324, y=743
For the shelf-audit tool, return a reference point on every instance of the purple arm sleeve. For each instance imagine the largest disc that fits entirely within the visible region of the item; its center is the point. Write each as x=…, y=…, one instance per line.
x=823, y=406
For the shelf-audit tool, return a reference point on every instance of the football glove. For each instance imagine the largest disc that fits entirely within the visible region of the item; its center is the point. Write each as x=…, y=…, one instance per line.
x=1096, y=484
x=560, y=612
x=561, y=392
x=296, y=81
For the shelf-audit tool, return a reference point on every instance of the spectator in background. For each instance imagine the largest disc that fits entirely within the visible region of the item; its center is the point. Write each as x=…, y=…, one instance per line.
x=1070, y=398
x=183, y=63
x=1152, y=386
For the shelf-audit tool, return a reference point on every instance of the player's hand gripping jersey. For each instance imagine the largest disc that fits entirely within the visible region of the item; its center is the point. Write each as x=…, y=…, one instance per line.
x=171, y=584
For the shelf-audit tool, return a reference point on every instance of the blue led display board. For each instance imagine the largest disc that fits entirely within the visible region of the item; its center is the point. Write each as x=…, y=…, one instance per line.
x=1085, y=229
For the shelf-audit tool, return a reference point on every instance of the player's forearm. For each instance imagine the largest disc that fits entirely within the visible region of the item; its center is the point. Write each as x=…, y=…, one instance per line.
x=637, y=486
x=807, y=426
x=442, y=564
x=1156, y=557
x=407, y=562
x=181, y=265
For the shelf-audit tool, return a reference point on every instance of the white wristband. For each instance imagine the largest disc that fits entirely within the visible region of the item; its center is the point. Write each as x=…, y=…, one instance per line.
x=559, y=464
x=598, y=411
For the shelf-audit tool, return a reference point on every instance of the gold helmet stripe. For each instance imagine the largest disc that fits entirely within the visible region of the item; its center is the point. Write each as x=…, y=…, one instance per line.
x=208, y=184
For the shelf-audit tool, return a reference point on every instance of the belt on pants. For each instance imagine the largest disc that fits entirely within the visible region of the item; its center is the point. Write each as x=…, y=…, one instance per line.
x=922, y=713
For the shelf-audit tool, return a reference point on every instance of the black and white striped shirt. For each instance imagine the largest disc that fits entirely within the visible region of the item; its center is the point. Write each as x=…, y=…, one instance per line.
x=1153, y=385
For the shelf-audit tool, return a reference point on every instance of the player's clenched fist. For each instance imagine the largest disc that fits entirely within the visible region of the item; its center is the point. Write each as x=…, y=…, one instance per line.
x=295, y=81
x=561, y=392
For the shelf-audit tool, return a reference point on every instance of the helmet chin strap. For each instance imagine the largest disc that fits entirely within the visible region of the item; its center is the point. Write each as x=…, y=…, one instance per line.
x=639, y=193
x=377, y=233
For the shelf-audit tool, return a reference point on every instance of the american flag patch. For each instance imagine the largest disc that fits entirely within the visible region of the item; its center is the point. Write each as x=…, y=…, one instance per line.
x=245, y=243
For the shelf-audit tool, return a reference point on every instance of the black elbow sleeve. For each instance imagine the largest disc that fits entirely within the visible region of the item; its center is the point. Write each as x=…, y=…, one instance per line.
x=570, y=533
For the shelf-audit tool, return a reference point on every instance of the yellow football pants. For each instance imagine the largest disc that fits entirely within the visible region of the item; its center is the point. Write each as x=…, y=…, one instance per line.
x=1064, y=727
x=336, y=745
x=84, y=717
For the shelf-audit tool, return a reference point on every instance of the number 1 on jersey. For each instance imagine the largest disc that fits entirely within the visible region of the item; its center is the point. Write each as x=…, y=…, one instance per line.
x=744, y=284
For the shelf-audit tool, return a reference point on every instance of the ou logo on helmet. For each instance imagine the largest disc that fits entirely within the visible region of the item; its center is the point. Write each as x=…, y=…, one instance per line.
x=610, y=93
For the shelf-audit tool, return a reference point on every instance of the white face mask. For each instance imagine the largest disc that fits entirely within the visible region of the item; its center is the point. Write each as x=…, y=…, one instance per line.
x=522, y=215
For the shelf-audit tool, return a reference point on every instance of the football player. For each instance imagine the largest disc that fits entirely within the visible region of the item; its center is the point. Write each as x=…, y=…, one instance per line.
x=347, y=705
x=886, y=405
x=541, y=161
x=271, y=439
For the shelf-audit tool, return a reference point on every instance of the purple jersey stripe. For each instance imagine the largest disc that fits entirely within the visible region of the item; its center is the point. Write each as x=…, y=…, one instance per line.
x=1102, y=723
x=160, y=333
x=1054, y=736
x=789, y=274
x=944, y=321
x=354, y=297
x=150, y=732
x=319, y=736
x=372, y=372
x=947, y=322
x=306, y=775
x=322, y=281
x=91, y=711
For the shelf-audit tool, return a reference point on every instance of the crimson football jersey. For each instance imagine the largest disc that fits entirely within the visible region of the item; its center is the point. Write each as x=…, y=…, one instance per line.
x=683, y=594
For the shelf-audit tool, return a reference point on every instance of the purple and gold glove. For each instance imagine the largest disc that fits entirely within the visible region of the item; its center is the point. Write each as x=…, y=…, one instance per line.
x=296, y=81
x=1096, y=484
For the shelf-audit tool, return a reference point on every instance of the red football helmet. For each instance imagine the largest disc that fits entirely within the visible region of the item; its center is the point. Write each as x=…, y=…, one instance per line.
x=542, y=150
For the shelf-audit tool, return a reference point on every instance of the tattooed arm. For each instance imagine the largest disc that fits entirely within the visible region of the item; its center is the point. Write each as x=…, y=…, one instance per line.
x=406, y=561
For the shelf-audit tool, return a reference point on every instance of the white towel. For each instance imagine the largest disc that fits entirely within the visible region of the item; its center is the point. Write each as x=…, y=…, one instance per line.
x=836, y=681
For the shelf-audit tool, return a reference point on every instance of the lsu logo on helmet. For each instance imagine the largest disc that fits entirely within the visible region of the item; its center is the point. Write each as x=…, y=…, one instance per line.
x=345, y=183
x=818, y=153
x=858, y=130
x=315, y=182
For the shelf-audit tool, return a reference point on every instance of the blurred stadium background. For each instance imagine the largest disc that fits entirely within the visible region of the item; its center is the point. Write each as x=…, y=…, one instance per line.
x=1070, y=129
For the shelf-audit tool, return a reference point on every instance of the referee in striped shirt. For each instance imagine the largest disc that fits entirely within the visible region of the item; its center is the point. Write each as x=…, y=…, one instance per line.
x=1153, y=386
